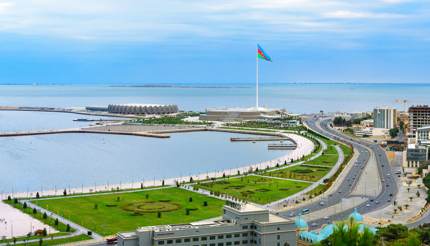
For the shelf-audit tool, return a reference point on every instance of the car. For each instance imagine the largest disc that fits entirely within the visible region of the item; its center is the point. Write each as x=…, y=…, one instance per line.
x=314, y=224
x=291, y=214
x=368, y=205
x=376, y=202
x=305, y=210
x=321, y=203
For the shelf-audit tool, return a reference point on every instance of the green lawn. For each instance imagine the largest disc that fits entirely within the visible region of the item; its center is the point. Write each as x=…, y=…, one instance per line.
x=301, y=172
x=61, y=241
x=109, y=214
x=254, y=188
x=325, y=160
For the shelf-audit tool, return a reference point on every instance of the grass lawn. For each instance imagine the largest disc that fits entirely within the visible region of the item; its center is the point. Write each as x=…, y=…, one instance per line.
x=61, y=241
x=112, y=213
x=325, y=160
x=301, y=172
x=254, y=188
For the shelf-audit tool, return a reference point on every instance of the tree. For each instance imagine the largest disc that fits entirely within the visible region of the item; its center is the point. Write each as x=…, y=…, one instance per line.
x=45, y=232
x=393, y=132
x=34, y=211
x=56, y=222
x=205, y=203
x=65, y=192
x=393, y=232
x=162, y=183
x=44, y=216
x=67, y=227
x=37, y=195
x=158, y=214
x=190, y=199
x=24, y=206
x=348, y=233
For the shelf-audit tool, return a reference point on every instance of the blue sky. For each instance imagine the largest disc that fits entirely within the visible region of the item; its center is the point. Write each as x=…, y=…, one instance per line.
x=206, y=41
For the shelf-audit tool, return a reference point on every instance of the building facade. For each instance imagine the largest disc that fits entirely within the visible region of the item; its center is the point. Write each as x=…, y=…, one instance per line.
x=142, y=109
x=419, y=116
x=416, y=155
x=240, y=114
x=243, y=224
x=384, y=118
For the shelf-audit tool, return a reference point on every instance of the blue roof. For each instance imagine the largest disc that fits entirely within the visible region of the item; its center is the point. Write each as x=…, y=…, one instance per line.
x=301, y=223
x=356, y=216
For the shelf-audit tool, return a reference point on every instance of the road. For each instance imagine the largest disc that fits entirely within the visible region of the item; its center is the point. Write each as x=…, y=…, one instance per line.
x=365, y=150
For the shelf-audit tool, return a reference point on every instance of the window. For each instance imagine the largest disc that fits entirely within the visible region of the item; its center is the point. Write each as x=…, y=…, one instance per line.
x=203, y=238
x=245, y=227
x=220, y=244
x=236, y=242
x=279, y=228
x=237, y=235
x=195, y=239
x=228, y=236
x=220, y=236
x=212, y=244
x=178, y=241
x=245, y=242
x=161, y=242
x=169, y=241
x=186, y=240
x=228, y=243
x=245, y=234
x=279, y=237
x=212, y=237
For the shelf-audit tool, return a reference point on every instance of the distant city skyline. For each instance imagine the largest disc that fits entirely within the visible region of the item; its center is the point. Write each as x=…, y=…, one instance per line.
x=206, y=42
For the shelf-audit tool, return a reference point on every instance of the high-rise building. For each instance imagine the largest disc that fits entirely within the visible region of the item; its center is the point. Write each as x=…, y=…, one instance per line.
x=384, y=118
x=419, y=116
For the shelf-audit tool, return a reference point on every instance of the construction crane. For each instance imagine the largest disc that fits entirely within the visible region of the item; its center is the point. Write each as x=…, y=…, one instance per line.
x=403, y=102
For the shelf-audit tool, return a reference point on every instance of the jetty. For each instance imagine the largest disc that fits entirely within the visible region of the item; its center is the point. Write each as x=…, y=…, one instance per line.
x=78, y=130
x=282, y=146
x=259, y=139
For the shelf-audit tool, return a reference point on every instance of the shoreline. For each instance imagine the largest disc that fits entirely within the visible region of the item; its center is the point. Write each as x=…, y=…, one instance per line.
x=304, y=147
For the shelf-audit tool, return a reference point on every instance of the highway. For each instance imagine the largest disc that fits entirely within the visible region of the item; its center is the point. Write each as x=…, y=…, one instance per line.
x=365, y=150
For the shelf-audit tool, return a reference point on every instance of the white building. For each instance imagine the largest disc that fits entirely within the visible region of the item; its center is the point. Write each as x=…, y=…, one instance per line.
x=384, y=118
x=240, y=225
x=142, y=109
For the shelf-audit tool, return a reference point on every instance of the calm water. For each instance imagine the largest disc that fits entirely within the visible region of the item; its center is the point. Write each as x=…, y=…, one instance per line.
x=297, y=98
x=13, y=121
x=59, y=161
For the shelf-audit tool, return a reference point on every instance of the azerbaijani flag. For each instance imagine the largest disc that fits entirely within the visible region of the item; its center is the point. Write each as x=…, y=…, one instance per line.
x=262, y=55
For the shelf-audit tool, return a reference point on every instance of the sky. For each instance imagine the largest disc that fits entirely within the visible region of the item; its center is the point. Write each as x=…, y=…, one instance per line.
x=214, y=42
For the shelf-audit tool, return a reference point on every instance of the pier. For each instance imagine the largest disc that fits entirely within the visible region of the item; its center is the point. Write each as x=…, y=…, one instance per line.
x=88, y=130
x=282, y=146
x=259, y=139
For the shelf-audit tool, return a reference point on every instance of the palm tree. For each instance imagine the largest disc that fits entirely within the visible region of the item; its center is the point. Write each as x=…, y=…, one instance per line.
x=348, y=233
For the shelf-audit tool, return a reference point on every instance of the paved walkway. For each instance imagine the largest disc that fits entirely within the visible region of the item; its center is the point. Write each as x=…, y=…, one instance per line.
x=14, y=223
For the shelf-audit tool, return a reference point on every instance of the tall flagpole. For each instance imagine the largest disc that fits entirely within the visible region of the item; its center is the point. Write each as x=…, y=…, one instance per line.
x=256, y=83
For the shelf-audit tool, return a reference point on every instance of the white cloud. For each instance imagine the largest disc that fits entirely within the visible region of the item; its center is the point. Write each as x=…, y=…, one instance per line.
x=153, y=20
x=346, y=14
